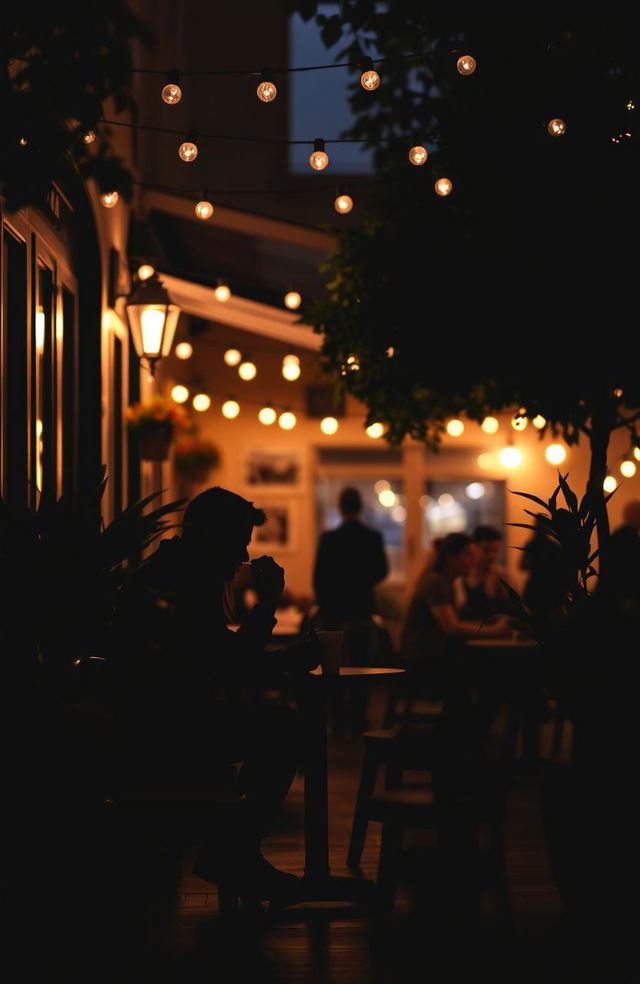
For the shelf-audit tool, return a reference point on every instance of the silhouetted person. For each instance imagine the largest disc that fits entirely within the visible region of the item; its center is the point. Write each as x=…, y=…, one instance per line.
x=620, y=579
x=350, y=561
x=200, y=686
x=481, y=593
x=545, y=589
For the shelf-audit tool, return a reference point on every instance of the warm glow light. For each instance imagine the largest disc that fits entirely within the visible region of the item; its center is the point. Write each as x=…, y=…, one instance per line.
x=636, y=454
x=318, y=159
x=556, y=127
x=267, y=91
x=398, y=514
x=290, y=358
x=390, y=352
x=203, y=210
x=145, y=271
x=519, y=423
x=455, y=428
x=539, y=421
x=109, y=199
x=267, y=416
x=555, y=454
x=418, y=155
x=292, y=300
x=381, y=486
x=184, y=350
x=222, y=293
x=287, y=420
x=230, y=409
x=89, y=137
x=375, y=430
x=446, y=500
x=443, y=187
x=40, y=329
x=510, y=457
x=628, y=468
x=343, y=204
x=201, y=402
x=247, y=371
x=171, y=94
x=329, y=425
x=232, y=357
x=152, y=329
x=475, y=490
x=425, y=501
x=352, y=363
x=187, y=151
x=370, y=80
x=466, y=65
x=485, y=460
x=490, y=425
x=610, y=484
x=291, y=371
x=180, y=394
x=388, y=498
x=23, y=141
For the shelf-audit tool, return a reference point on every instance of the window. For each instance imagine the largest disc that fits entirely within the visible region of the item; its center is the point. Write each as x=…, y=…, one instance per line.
x=13, y=357
x=459, y=505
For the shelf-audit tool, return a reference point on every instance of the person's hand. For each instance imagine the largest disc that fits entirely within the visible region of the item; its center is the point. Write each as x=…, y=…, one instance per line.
x=501, y=628
x=304, y=655
x=268, y=579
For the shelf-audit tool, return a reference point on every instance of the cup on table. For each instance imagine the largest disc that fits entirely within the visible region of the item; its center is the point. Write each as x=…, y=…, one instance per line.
x=331, y=650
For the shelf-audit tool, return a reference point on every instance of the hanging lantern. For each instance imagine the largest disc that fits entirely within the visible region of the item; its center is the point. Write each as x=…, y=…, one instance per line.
x=153, y=318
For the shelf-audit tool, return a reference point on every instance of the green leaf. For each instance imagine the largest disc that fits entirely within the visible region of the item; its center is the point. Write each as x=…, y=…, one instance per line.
x=527, y=495
x=570, y=497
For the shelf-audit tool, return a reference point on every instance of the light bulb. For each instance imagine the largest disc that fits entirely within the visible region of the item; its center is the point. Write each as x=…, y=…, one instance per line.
x=267, y=91
x=292, y=300
x=490, y=425
x=539, y=421
x=375, y=430
x=232, y=357
x=329, y=425
x=628, y=468
x=247, y=371
x=171, y=94
x=291, y=371
x=23, y=141
x=555, y=454
x=201, y=402
x=318, y=159
x=188, y=151
x=370, y=80
x=387, y=497
x=519, y=423
x=353, y=364
x=222, y=293
x=180, y=394
x=290, y=358
x=230, y=409
x=343, y=204
x=203, y=210
x=267, y=416
x=475, y=490
x=466, y=65
x=443, y=187
x=556, y=127
x=636, y=454
x=610, y=484
x=89, y=137
x=109, y=198
x=145, y=271
x=390, y=352
x=455, y=428
x=446, y=500
x=287, y=420
x=380, y=486
x=418, y=155
x=485, y=461
x=184, y=350
x=510, y=457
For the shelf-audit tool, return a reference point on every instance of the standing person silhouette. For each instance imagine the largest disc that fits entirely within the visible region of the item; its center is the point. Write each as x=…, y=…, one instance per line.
x=350, y=561
x=620, y=578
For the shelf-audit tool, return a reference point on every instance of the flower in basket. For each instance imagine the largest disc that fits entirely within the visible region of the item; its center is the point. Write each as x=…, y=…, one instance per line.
x=195, y=456
x=159, y=414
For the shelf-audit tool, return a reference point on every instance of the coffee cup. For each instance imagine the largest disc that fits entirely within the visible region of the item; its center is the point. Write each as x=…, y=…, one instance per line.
x=331, y=650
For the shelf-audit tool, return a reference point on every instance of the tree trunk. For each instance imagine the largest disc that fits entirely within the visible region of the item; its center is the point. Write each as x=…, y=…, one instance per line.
x=602, y=423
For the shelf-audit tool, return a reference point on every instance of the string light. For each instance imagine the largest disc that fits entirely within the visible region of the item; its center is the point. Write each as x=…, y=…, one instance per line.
x=291, y=371
x=23, y=141
x=353, y=363
x=375, y=430
x=89, y=137
x=519, y=422
x=109, y=199
x=443, y=187
x=610, y=484
x=418, y=155
x=636, y=454
x=267, y=415
x=247, y=370
x=510, y=457
x=343, y=204
x=555, y=454
x=292, y=300
x=230, y=409
x=232, y=357
x=490, y=425
x=201, y=402
x=466, y=65
x=455, y=428
x=180, y=394
x=188, y=149
x=290, y=357
x=387, y=498
x=171, y=92
x=222, y=294
x=485, y=461
x=369, y=80
x=556, y=127
x=319, y=158
x=184, y=350
x=204, y=208
x=287, y=420
x=329, y=425
x=628, y=468
x=267, y=90
x=145, y=271
x=539, y=421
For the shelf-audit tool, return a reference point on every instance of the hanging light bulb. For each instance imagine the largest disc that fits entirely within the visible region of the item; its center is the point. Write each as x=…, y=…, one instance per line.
x=556, y=127
x=201, y=402
x=230, y=409
x=628, y=468
x=610, y=484
x=343, y=203
x=267, y=90
x=539, y=421
x=519, y=422
x=184, y=350
x=180, y=394
x=145, y=271
x=318, y=159
x=375, y=430
x=22, y=142
x=222, y=292
x=369, y=80
x=171, y=92
x=89, y=137
x=466, y=65
x=109, y=198
x=636, y=454
x=510, y=457
x=443, y=187
x=287, y=420
x=267, y=415
x=329, y=425
x=188, y=149
x=287, y=359
x=418, y=155
x=247, y=370
x=291, y=371
x=292, y=300
x=203, y=208
x=555, y=454
x=455, y=428
x=485, y=460
x=232, y=357
x=490, y=425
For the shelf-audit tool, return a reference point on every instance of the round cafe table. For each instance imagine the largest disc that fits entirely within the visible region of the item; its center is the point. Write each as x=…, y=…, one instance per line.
x=318, y=884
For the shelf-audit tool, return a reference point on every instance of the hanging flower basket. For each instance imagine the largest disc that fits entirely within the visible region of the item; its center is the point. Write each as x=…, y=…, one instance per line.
x=154, y=445
x=194, y=459
x=153, y=426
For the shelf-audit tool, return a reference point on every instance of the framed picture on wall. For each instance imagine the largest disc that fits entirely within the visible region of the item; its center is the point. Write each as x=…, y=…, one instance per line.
x=280, y=532
x=272, y=469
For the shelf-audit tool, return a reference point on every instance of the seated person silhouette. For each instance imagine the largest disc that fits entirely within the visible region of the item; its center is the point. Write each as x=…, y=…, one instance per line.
x=481, y=594
x=199, y=694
